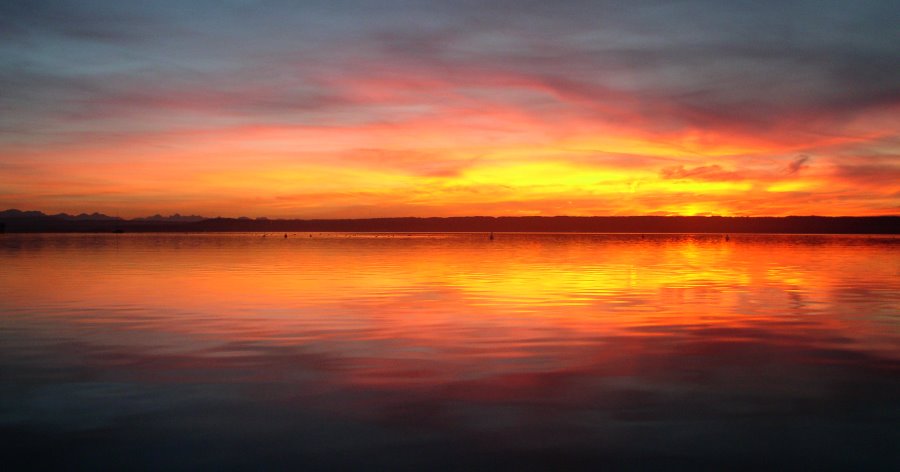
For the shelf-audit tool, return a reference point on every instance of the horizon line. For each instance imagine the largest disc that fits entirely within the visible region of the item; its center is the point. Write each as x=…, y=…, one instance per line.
x=195, y=217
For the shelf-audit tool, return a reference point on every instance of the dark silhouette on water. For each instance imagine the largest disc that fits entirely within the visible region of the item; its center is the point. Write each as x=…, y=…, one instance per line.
x=727, y=238
x=491, y=237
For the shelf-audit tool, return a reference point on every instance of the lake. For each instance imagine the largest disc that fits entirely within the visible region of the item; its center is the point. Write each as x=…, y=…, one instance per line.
x=449, y=351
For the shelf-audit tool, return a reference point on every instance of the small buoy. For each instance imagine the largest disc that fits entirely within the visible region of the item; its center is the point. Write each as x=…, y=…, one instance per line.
x=285, y=235
x=491, y=237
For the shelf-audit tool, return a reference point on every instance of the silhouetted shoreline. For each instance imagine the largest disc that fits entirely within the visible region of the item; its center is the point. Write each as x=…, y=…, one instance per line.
x=556, y=224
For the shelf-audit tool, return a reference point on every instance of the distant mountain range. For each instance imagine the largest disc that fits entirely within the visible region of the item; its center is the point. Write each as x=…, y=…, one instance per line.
x=13, y=214
x=16, y=221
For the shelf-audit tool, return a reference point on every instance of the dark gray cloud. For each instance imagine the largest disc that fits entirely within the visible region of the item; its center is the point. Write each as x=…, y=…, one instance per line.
x=747, y=66
x=797, y=164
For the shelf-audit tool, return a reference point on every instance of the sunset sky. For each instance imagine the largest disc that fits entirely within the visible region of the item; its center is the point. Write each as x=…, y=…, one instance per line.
x=331, y=108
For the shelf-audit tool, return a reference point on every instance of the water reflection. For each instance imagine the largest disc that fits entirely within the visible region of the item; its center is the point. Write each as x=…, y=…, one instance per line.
x=451, y=351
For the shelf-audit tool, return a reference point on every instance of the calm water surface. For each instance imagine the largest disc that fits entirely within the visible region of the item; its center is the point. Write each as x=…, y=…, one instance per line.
x=433, y=352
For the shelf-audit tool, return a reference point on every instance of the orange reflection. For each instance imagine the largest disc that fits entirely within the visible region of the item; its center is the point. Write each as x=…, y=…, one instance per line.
x=445, y=298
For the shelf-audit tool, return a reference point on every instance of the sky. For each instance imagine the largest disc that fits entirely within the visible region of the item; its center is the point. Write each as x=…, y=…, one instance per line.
x=348, y=109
